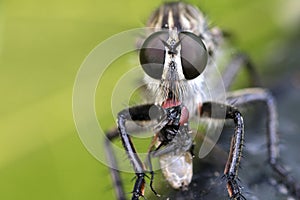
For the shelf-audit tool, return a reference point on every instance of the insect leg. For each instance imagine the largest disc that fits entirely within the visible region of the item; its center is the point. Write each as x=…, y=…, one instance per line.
x=138, y=113
x=235, y=65
x=115, y=174
x=258, y=94
x=149, y=163
x=219, y=111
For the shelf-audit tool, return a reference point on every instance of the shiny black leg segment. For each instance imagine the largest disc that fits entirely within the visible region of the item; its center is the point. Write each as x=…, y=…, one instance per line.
x=138, y=113
x=237, y=62
x=115, y=174
x=251, y=95
x=221, y=111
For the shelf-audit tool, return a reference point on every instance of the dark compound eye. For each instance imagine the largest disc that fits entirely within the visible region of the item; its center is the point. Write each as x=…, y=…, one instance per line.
x=152, y=54
x=193, y=55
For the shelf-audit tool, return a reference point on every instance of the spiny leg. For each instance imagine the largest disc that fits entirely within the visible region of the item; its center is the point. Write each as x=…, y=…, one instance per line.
x=149, y=163
x=237, y=62
x=219, y=111
x=139, y=113
x=251, y=95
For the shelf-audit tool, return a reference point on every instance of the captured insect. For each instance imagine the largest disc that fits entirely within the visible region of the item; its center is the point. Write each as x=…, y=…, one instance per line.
x=176, y=56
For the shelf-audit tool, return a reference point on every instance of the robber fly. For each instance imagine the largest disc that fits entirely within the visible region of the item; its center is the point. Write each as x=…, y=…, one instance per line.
x=179, y=49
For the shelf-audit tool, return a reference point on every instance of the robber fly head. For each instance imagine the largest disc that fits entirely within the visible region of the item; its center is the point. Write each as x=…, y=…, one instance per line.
x=176, y=52
x=171, y=59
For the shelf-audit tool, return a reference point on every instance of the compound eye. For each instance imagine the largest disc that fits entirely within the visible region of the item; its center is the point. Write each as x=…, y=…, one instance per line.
x=193, y=55
x=152, y=54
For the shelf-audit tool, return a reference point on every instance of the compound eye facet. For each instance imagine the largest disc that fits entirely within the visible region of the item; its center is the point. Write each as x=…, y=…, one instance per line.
x=152, y=54
x=193, y=55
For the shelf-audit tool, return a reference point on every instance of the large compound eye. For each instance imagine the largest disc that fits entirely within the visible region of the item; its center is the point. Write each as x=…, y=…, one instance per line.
x=152, y=54
x=193, y=55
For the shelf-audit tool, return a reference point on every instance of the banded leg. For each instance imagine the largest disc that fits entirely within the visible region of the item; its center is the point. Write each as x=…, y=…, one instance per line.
x=238, y=61
x=219, y=111
x=138, y=113
x=251, y=95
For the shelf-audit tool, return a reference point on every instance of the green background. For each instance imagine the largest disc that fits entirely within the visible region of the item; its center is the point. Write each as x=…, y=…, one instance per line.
x=42, y=45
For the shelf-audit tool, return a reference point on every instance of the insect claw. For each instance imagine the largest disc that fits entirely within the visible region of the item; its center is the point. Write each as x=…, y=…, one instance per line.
x=155, y=193
x=151, y=184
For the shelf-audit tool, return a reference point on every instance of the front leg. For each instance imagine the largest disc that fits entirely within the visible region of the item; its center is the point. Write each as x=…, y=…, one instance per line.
x=138, y=113
x=251, y=95
x=219, y=111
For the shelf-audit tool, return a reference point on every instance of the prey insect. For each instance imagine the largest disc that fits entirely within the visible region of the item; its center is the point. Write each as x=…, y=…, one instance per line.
x=178, y=51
